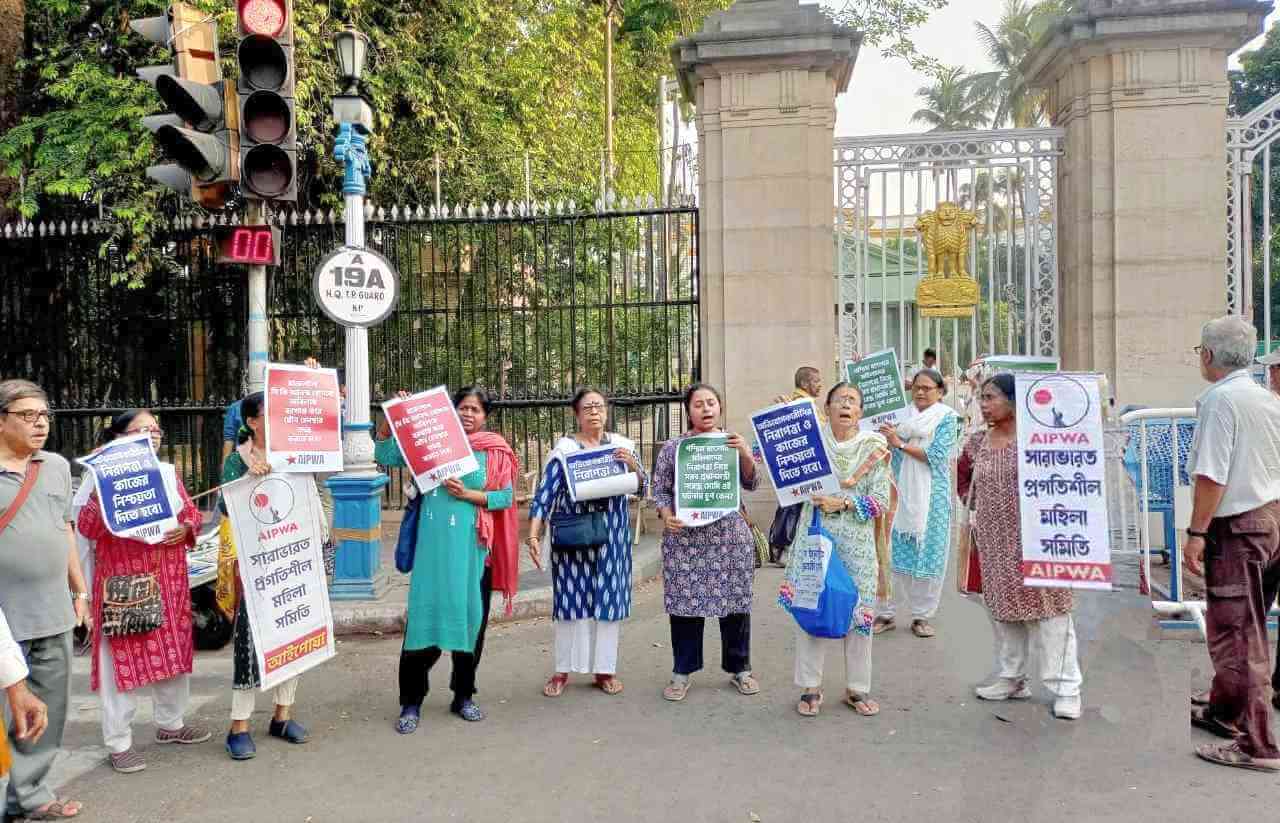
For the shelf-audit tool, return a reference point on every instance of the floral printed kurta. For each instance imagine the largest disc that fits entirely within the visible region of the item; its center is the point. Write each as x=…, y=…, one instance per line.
x=707, y=571
x=997, y=524
x=154, y=656
x=855, y=539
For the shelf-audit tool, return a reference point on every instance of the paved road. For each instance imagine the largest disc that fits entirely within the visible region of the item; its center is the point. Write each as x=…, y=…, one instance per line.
x=935, y=753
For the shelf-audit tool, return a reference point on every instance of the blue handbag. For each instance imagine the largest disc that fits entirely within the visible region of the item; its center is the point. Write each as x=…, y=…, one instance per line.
x=833, y=616
x=407, y=540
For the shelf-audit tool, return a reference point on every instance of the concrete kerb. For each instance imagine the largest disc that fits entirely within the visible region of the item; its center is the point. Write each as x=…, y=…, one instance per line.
x=387, y=616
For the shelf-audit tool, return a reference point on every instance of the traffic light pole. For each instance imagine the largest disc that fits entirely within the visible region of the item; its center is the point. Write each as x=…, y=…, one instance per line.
x=357, y=491
x=258, y=336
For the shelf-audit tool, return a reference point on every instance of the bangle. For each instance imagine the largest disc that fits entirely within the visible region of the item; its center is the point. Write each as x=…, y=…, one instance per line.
x=1195, y=533
x=80, y=595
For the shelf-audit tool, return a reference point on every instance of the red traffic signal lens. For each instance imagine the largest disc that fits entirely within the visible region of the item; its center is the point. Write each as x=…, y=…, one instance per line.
x=264, y=17
x=263, y=63
x=265, y=117
x=266, y=171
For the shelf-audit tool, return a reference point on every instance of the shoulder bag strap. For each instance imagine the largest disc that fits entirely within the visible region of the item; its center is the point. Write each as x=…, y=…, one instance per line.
x=28, y=483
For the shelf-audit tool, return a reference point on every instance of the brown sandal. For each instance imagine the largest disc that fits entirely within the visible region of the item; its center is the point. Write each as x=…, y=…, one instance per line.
x=555, y=685
x=810, y=704
x=862, y=704
x=1229, y=754
x=57, y=810
x=921, y=628
x=676, y=690
x=883, y=624
x=1202, y=719
x=608, y=684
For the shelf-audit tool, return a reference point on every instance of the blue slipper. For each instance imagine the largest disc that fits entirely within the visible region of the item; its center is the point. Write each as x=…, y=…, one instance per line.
x=240, y=746
x=468, y=710
x=409, y=717
x=289, y=730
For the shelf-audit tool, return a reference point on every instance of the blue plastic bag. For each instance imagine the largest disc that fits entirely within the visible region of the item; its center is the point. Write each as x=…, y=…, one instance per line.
x=407, y=540
x=833, y=615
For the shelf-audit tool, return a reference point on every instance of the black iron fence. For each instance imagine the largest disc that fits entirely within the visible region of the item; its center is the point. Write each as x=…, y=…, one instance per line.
x=529, y=307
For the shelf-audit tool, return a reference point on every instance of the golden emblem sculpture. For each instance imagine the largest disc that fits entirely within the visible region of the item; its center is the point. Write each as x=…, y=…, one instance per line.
x=948, y=290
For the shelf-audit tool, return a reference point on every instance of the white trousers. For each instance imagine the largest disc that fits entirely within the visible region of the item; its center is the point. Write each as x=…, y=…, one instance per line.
x=242, y=700
x=921, y=595
x=811, y=653
x=1055, y=639
x=169, y=698
x=587, y=646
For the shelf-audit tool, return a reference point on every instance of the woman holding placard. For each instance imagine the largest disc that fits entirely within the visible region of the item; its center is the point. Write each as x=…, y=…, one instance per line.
x=861, y=460
x=467, y=546
x=707, y=570
x=127, y=660
x=250, y=457
x=591, y=584
x=988, y=477
x=922, y=527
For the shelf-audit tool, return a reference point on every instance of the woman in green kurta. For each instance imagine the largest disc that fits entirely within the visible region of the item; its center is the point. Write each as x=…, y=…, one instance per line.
x=453, y=574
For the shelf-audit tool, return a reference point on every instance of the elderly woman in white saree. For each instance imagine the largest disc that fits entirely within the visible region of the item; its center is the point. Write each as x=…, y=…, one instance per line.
x=922, y=449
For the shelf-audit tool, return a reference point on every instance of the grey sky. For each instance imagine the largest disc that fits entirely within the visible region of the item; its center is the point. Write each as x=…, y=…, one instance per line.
x=881, y=96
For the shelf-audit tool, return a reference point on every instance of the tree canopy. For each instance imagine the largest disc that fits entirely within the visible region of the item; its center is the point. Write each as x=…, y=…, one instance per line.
x=479, y=83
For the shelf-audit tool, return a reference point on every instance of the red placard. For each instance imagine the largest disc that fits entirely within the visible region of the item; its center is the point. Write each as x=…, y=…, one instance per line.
x=304, y=419
x=430, y=436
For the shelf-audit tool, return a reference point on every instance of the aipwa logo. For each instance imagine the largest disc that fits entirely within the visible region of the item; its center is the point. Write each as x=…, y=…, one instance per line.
x=271, y=501
x=1058, y=402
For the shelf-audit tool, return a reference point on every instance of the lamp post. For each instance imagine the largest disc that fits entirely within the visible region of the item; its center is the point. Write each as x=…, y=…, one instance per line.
x=357, y=491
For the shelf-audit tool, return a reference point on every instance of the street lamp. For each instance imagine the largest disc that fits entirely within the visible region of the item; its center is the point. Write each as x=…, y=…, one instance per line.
x=352, y=48
x=357, y=491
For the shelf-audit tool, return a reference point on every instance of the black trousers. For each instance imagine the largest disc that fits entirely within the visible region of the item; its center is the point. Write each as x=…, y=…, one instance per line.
x=735, y=643
x=415, y=664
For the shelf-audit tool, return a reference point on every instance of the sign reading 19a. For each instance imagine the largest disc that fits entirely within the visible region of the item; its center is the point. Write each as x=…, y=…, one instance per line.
x=356, y=287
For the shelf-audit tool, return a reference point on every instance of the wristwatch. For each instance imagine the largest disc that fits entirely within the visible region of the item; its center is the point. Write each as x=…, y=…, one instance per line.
x=1194, y=533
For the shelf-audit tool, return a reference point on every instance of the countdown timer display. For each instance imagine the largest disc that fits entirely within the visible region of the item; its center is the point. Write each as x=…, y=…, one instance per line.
x=251, y=245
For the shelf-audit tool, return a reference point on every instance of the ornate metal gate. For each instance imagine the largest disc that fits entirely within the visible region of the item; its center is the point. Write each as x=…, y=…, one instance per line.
x=1007, y=179
x=1250, y=194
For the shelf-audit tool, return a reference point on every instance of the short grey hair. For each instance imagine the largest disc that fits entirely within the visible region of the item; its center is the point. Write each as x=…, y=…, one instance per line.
x=11, y=391
x=1232, y=341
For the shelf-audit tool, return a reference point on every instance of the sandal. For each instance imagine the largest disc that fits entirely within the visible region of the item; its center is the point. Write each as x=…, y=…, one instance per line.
x=57, y=810
x=745, y=684
x=555, y=685
x=883, y=624
x=1202, y=719
x=921, y=628
x=862, y=704
x=410, y=716
x=608, y=684
x=810, y=704
x=1231, y=755
x=676, y=690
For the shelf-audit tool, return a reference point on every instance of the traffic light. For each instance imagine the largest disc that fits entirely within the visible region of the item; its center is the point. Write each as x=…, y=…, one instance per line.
x=268, y=152
x=195, y=134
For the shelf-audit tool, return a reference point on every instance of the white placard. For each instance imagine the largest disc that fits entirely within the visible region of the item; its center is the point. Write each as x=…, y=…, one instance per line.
x=1066, y=542
x=276, y=524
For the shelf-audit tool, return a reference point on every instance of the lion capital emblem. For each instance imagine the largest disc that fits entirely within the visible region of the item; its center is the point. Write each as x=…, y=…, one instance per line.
x=948, y=290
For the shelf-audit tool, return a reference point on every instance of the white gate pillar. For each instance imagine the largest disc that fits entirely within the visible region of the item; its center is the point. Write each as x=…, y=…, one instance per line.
x=1141, y=88
x=764, y=76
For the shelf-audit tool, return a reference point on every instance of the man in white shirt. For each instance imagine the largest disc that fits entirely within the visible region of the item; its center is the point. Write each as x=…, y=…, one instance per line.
x=30, y=716
x=1234, y=542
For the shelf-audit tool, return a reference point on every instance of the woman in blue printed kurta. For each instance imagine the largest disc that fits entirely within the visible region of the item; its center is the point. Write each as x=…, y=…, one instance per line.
x=591, y=587
x=922, y=449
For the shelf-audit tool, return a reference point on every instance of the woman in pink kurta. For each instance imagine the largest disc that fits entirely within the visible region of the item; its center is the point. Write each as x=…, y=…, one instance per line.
x=987, y=477
x=161, y=658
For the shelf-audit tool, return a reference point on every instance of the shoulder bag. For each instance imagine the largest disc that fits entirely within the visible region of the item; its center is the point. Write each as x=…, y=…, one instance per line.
x=131, y=604
x=28, y=483
x=572, y=531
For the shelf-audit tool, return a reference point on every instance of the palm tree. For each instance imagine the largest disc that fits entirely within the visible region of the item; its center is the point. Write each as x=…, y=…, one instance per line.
x=951, y=103
x=1021, y=25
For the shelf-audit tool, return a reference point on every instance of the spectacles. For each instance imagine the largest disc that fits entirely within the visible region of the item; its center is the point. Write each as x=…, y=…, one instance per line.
x=30, y=416
x=1197, y=349
x=588, y=407
x=156, y=430
x=846, y=402
x=925, y=388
